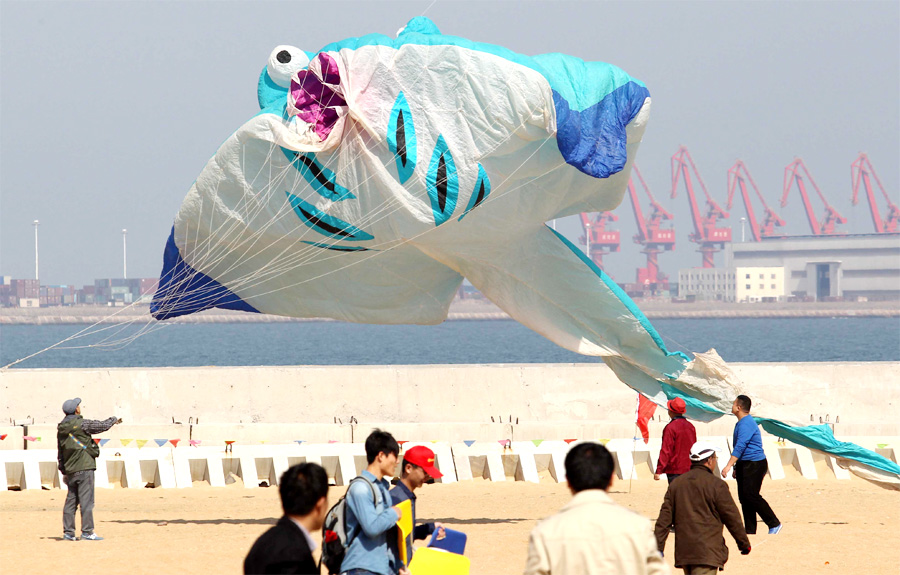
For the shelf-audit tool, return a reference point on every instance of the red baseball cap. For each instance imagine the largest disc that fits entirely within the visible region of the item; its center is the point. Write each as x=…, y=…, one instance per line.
x=677, y=405
x=424, y=458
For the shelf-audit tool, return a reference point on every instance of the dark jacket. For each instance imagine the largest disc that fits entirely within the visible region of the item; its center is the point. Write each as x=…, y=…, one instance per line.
x=399, y=494
x=281, y=549
x=675, y=454
x=76, y=449
x=699, y=504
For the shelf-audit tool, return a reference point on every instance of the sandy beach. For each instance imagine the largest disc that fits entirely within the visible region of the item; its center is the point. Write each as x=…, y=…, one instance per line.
x=830, y=526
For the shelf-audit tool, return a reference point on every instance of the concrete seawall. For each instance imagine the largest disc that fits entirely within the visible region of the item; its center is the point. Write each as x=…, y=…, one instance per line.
x=441, y=402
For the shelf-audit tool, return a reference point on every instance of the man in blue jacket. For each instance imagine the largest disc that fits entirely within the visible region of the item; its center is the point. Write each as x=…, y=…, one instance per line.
x=418, y=468
x=370, y=519
x=750, y=467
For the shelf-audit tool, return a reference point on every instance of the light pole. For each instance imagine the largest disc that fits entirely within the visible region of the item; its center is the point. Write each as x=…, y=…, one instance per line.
x=587, y=243
x=124, y=254
x=36, y=276
x=743, y=221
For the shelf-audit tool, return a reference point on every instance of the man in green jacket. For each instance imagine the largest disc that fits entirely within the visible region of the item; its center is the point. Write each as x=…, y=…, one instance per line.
x=77, y=453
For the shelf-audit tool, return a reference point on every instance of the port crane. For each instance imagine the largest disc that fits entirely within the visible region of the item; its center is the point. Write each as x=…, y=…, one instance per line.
x=792, y=173
x=860, y=172
x=738, y=177
x=598, y=240
x=650, y=235
x=709, y=237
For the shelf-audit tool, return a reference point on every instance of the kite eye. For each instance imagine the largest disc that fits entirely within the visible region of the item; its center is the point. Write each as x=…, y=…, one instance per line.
x=284, y=62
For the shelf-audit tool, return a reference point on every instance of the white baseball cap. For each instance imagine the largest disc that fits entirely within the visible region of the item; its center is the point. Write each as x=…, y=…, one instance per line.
x=703, y=449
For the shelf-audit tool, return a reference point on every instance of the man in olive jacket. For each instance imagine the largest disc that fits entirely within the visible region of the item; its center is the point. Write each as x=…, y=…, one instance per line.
x=700, y=504
x=77, y=453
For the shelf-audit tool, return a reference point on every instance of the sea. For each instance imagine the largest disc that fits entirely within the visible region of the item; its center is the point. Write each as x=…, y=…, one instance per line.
x=453, y=342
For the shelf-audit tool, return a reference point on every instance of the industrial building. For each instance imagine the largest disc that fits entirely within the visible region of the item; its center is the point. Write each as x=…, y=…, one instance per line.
x=820, y=268
x=741, y=284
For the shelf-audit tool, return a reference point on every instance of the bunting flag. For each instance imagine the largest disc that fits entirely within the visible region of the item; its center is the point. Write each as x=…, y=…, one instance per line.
x=504, y=442
x=227, y=442
x=645, y=411
x=174, y=442
x=262, y=440
x=30, y=438
x=141, y=442
x=125, y=442
x=96, y=440
x=161, y=442
x=332, y=441
x=537, y=442
x=299, y=441
x=2, y=437
x=103, y=442
x=603, y=441
x=569, y=440
x=400, y=443
x=469, y=442
x=195, y=442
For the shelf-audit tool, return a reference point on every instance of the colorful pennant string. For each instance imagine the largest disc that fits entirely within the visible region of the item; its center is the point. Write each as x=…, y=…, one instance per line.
x=537, y=442
x=96, y=440
x=141, y=442
x=174, y=442
x=469, y=442
x=569, y=440
x=161, y=442
x=103, y=442
x=125, y=442
x=195, y=442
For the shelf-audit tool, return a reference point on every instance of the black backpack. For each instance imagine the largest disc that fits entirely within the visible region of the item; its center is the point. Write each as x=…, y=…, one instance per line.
x=335, y=538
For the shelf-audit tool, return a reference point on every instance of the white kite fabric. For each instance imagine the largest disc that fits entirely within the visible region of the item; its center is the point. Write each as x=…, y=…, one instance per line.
x=380, y=172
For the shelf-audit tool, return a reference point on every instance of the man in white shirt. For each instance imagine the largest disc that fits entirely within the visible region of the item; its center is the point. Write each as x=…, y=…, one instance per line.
x=593, y=534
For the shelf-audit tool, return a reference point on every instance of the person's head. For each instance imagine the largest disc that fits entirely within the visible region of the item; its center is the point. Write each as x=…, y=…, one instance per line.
x=677, y=407
x=382, y=449
x=741, y=404
x=589, y=466
x=72, y=406
x=418, y=467
x=703, y=453
x=304, y=492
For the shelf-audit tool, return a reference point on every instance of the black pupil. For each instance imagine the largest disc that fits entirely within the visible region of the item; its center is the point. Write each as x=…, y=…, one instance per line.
x=284, y=56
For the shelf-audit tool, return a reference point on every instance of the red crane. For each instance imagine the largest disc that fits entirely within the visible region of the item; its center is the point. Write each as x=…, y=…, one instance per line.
x=650, y=235
x=832, y=217
x=860, y=171
x=598, y=240
x=738, y=176
x=706, y=234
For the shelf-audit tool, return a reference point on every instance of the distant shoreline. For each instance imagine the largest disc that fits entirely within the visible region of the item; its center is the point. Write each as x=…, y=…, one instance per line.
x=466, y=310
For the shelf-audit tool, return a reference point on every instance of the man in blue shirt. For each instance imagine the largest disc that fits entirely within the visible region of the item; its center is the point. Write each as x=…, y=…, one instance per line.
x=418, y=469
x=370, y=521
x=750, y=467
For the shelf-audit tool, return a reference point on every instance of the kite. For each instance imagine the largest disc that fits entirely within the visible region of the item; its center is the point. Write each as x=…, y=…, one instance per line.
x=379, y=172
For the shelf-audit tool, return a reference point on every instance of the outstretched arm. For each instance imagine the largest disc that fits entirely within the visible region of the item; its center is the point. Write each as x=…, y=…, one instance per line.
x=93, y=426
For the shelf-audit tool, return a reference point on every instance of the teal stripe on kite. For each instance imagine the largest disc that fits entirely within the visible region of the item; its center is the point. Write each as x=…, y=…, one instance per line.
x=821, y=437
x=627, y=301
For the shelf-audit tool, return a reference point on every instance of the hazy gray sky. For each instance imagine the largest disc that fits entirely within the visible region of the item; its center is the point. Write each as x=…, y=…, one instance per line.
x=109, y=110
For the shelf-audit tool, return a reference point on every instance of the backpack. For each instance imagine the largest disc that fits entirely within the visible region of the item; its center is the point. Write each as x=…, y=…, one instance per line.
x=335, y=538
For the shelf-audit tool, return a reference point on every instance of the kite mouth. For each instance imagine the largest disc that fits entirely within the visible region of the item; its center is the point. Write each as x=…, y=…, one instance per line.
x=315, y=95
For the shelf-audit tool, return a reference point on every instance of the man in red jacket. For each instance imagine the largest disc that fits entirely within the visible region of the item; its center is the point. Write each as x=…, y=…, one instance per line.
x=677, y=438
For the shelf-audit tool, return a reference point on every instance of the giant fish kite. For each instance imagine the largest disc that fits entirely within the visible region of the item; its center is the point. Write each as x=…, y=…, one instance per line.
x=380, y=172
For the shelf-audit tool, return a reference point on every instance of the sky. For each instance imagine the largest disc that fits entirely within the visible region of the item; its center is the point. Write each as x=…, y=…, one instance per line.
x=110, y=110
